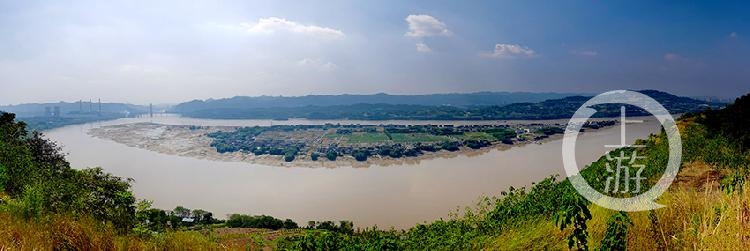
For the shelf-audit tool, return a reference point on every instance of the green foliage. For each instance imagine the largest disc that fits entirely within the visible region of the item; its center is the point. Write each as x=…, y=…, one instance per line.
x=107, y=197
x=331, y=155
x=550, y=130
x=575, y=213
x=203, y=217
x=476, y=144
x=144, y=227
x=366, y=137
x=289, y=156
x=15, y=155
x=451, y=146
x=3, y=177
x=732, y=122
x=37, y=177
x=360, y=154
x=290, y=224
x=259, y=221
x=328, y=240
x=504, y=135
x=416, y=137
x=617, y=230
x=734, y=180
x=346, y=227
x=30, y=205
x=715, y=141
x=468, y=232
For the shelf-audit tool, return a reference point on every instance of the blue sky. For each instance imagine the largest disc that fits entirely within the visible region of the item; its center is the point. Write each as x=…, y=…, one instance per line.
x=173, y=51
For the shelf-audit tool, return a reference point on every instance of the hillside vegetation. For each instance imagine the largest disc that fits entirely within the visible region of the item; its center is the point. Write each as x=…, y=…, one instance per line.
x=45, y=204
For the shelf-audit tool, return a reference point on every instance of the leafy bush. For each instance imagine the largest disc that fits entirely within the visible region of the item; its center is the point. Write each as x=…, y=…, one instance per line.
x=259, y=221
x=617, y=230
x=360, y=154
x=331, y=155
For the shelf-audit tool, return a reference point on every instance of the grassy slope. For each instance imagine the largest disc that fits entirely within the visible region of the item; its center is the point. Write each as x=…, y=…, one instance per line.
x=71, y=233
x=694, y=218
x=698, y=215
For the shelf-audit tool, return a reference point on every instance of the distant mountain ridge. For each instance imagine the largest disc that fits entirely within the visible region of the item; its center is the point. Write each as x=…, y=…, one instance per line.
x=239, y=108
x=448, y=99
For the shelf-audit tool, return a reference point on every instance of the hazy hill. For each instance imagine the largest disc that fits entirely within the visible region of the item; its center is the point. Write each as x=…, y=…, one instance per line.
x=481, y=109
x=451, y=99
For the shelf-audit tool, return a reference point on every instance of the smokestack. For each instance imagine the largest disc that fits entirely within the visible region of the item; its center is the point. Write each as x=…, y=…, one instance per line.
x=151, y=110
x=100, y=107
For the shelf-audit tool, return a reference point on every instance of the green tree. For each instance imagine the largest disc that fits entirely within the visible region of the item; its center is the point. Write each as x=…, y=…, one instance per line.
x=290, y=224
x=331, y=155
x=616, y=237
x=203, y=217
x=289, y=156
x=107, y=197
x=360, y=154
x=182, y=212
x=575, y=213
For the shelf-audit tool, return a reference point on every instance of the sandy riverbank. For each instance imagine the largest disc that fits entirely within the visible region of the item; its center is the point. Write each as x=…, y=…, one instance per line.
x=191, y=141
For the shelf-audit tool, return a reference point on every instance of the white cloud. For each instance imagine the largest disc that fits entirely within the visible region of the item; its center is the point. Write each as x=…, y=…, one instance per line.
x=588, y=53
x=511, y=51
x=317, y=64
x=276, y=24
x=422, y=47
x=426, y=26
x=733, y=34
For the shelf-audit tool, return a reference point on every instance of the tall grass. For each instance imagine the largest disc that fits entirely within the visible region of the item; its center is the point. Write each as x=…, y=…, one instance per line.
x=54, y=232
x=61, y=232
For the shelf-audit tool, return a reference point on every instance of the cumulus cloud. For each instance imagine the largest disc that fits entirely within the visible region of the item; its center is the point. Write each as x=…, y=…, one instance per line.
x=511, y=51
x=317, y=64
x=276, y=24
x=422, y=47
x=425, y=26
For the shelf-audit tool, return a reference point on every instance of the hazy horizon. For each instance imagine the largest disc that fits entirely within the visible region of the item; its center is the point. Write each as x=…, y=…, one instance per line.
x=157, y=103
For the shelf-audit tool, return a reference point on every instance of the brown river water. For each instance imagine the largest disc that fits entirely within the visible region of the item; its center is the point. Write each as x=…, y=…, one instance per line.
x=397, y=196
